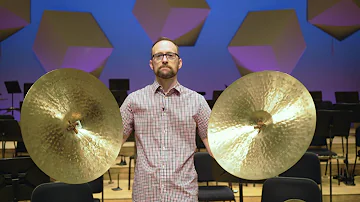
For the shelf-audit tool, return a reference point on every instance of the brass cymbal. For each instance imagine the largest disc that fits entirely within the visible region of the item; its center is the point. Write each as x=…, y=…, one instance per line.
x=261, y=125
x=71, y=126
x=294, y=200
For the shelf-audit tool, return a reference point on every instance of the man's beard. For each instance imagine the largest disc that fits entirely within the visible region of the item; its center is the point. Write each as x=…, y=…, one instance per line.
x=168, y=75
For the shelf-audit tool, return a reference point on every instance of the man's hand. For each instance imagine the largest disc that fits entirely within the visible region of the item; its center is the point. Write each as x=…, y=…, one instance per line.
x=206, y=143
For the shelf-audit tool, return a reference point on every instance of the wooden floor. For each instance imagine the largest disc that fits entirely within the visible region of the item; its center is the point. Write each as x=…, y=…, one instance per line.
x=251, y=193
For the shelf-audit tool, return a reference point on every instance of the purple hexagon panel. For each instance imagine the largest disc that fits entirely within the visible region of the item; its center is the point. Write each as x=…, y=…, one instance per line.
x=338, y=18
x=71, y=39
x=180, y=21
x=268, y=40
x=14, y=15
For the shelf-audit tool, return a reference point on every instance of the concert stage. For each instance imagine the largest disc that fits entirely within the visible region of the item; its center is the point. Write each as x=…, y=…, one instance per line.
x=252, y=193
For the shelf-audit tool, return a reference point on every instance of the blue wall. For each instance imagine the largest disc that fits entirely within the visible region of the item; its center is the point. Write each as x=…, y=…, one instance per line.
x=207, y=66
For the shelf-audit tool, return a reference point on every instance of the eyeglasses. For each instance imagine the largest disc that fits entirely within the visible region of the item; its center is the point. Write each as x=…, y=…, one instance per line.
x=159, y=56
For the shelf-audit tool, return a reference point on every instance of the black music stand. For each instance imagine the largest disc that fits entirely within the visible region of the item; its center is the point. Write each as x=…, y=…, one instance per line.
x=216, y=94
x=119, y=84
x=120, y=96
x=341, y=123
x=347, y=97
x=316, y=95
x=12, y=88
x=27, y=87
x=9, y=131
x=18, y=178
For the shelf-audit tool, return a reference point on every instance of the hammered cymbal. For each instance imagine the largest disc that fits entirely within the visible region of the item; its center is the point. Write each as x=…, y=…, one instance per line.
x=261, y=125
x=71, y=126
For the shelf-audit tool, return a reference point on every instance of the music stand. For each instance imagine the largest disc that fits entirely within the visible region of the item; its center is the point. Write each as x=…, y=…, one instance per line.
x=347, y=97
x=18, y=178
x=12, y=87
x=316, y=95
x=216, y=94
x=27, y=87
x=119, y=96
x=119, y=84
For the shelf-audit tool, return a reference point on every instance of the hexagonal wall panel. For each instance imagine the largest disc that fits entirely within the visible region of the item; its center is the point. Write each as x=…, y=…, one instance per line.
x=71, y=39
x=14, y=15
x=338, y=18
x=180, y=21
x=268, y=40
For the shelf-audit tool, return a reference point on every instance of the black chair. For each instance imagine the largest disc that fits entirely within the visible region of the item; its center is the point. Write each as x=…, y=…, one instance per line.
x=97, y=186
x=131, y=158
x=280, y=189
x=199, y=143
x=60, y=192
x=204, y=167
x=9, y=131
x=319, y=144
x=357, y=144
x=320, y=105
x=131, y=138
x=341, y=124
x=307, y=167
x=6, y=116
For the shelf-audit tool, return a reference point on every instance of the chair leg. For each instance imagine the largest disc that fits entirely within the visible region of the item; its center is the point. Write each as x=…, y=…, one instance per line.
x=129, y=173
x=356, y=156
x=338, y=168
x=342, y=144
x=326, y=167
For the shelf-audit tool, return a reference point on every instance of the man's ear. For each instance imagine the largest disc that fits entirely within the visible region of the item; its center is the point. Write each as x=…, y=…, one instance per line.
x=180, y=63
x=151, y=65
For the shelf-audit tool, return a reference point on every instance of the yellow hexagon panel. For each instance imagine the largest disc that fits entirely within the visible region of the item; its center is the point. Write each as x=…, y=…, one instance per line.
x=268, y=40
x=181, y=21
x=71, y=39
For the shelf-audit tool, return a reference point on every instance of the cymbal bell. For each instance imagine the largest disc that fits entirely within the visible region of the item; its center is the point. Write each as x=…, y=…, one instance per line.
x=71, y=126
x=261, y=125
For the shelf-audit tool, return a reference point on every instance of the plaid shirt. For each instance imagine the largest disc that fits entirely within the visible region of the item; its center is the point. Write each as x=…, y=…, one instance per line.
x=165, y=131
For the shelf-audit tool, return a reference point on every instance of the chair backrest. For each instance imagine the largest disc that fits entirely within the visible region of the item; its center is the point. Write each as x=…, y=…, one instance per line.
x=284, y=188
x=323, y=105
x=10, y=130
x=199, y=143
x=6, y=116
x=97, y=185
x=60, y=192
x=203, y=166
x=307, y=167
x=208, y=169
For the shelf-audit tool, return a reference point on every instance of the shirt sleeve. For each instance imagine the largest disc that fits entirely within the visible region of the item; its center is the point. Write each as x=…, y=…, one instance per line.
x=127, y=116
x=202, y=118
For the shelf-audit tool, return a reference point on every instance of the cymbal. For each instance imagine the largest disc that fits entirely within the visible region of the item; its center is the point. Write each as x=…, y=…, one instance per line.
x=71, y=126
x=261, y=125
x=294, y=200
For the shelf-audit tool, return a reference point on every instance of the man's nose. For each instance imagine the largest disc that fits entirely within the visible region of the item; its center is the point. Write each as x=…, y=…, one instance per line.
x=164, y=59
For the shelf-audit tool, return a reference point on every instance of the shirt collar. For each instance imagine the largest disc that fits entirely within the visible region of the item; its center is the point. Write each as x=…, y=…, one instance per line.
x=156, y=86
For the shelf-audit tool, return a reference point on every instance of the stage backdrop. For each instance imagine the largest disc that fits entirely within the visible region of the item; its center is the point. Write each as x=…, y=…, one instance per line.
x=316, y=42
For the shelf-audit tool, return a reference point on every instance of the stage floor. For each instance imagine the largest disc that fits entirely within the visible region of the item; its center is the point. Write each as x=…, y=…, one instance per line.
x=341, y=193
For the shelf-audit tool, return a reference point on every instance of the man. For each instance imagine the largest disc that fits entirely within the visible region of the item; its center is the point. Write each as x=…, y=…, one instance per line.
x=165, y=116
